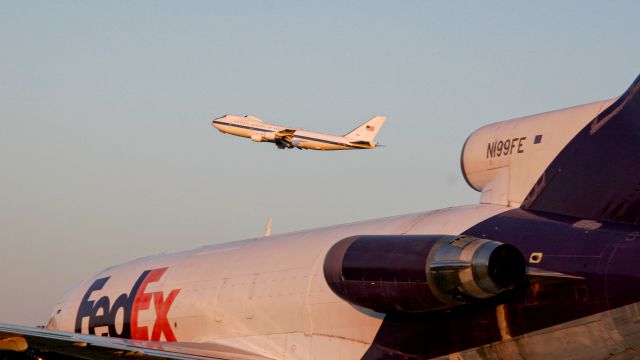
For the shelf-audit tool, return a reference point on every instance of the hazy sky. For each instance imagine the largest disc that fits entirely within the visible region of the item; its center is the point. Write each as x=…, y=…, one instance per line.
x=107, y=154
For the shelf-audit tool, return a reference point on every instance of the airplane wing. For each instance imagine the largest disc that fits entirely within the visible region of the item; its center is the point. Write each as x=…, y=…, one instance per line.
x=34, y=341
x=285, y=135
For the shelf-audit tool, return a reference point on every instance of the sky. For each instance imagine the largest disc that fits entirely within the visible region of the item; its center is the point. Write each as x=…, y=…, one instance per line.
x=106, y=148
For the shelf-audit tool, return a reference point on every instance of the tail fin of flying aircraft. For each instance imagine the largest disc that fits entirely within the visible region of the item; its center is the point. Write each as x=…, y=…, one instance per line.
x=597, y=175
x=368, y=130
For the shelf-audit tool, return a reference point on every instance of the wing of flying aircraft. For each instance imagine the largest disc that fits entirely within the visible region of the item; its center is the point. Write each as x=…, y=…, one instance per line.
x=283, y=138
x=285, y=134
x=364, y=144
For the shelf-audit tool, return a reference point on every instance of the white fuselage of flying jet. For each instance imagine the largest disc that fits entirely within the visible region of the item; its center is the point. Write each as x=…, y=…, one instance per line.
x=258, y=131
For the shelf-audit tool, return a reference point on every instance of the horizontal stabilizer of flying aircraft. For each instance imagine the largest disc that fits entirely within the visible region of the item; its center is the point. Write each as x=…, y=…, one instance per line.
x=362, y=137
x=544, y=267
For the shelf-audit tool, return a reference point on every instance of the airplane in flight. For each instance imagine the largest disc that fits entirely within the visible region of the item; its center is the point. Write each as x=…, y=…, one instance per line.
x=362, y=137
x=545, y=266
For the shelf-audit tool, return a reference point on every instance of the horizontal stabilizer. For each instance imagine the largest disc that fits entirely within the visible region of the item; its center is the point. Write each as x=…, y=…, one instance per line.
x=542, y=276
x=597, y=175
x=363, y=143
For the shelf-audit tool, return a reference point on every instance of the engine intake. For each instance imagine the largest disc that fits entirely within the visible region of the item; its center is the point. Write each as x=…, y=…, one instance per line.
x=412, y=273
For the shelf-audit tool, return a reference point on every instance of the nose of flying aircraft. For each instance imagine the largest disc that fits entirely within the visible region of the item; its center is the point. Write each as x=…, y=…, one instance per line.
x=215, y=123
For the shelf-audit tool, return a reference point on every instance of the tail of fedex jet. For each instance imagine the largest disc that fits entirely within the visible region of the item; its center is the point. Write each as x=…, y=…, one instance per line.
x=367, y=131
x=582, y=161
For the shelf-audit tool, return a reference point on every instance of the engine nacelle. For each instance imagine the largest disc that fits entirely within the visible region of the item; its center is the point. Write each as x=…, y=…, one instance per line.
x=505, y=159
x=260, y=137
x=390, y=273
x=270, y=136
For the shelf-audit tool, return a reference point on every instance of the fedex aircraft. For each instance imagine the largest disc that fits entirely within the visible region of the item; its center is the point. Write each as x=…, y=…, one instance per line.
x=546, y=266
x=251, y=127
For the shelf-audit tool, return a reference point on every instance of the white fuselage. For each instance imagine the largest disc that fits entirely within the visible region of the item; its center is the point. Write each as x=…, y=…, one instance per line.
x=266, y=295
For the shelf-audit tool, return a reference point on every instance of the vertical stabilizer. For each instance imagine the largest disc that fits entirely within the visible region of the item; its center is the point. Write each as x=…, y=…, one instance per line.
x=366, y=131
x=597, y=174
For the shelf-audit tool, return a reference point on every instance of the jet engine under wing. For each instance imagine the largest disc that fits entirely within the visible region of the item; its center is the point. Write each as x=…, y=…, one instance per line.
x=597, y=175
x=21, y=338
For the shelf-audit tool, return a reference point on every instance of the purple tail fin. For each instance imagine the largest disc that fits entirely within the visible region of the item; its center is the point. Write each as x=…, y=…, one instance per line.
x=597, y=175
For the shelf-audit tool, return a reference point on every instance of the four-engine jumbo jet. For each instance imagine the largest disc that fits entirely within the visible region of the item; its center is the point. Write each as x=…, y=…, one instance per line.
x=545, y=267
x=251, y=127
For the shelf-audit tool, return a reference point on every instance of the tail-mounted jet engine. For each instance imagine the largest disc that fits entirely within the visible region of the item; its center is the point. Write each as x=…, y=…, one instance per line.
x=388, y=273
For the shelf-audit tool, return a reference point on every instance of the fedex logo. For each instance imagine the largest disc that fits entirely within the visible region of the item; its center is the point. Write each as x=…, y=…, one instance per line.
x=126, y=308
